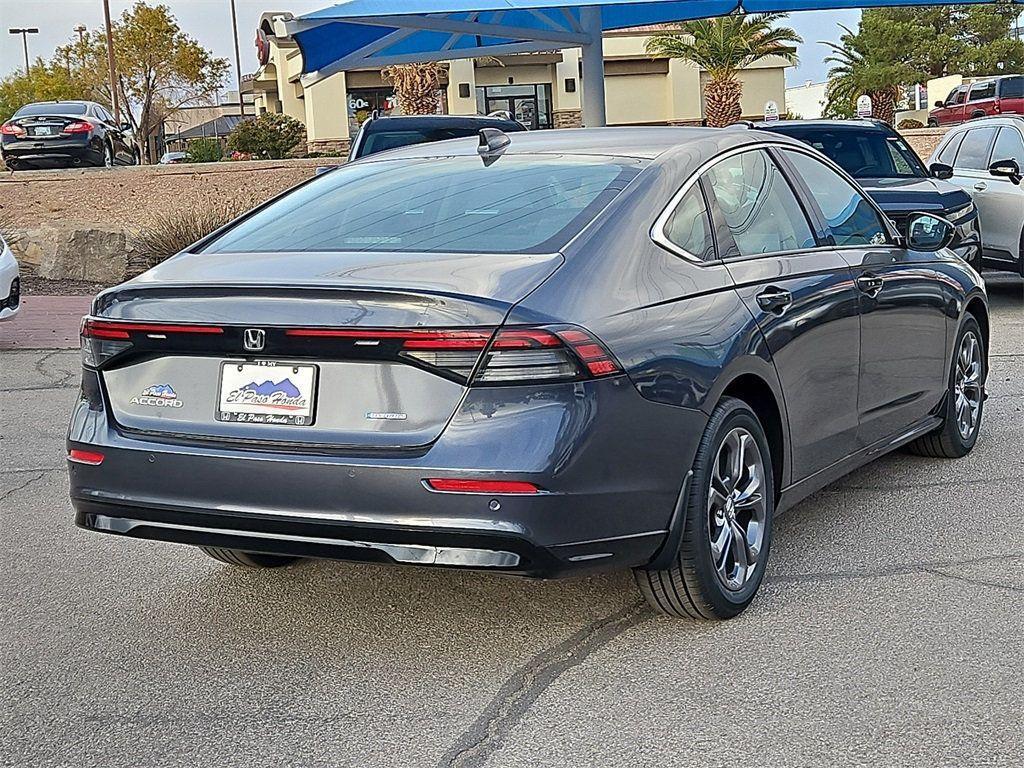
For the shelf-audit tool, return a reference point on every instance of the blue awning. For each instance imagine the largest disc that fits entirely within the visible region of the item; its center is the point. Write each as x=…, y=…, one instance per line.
x=374, y=33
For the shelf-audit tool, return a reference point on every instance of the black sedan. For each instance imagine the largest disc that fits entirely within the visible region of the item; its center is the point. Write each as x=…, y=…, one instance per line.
x=537, y=354
x=59, y=133
x=893, y=175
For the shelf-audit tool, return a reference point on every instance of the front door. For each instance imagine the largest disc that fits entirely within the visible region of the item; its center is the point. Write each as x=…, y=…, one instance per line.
x=1001, y=202
x=522, y=108
x=903, y=322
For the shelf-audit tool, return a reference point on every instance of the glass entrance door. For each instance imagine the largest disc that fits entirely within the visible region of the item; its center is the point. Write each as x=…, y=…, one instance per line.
x=529, y=104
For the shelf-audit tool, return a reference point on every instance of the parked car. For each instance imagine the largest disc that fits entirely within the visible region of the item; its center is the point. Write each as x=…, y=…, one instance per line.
x=10, y=283
x=892, y=174
x=381, y=133
x=535, y=354
x=173, y=158
x=65, y=133
x=987, y=156
x=982, y=98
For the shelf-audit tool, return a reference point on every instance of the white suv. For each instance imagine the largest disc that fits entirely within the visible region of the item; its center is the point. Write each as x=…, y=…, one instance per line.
x=10, y=283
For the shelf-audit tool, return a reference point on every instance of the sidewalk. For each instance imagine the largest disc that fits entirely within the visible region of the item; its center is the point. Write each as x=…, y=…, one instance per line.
x=45, y=322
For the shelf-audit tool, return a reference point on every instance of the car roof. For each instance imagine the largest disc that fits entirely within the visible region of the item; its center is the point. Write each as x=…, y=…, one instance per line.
x=399, y=122
x=988, y=120
x=644, y=142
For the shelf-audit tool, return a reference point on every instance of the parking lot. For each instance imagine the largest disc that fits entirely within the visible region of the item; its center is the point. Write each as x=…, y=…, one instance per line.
x=888, y=632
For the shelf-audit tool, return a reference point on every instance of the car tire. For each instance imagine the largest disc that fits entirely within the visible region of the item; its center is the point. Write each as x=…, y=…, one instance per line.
x=108, y=156
x=707, y=579
x=965, y=399
x=248, y=559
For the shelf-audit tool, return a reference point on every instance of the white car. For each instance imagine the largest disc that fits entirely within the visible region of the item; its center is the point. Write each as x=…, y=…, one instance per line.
x=10, y=283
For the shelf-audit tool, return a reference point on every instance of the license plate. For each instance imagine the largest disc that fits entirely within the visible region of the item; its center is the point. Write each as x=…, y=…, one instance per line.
x=267, y=392
x=42, y=130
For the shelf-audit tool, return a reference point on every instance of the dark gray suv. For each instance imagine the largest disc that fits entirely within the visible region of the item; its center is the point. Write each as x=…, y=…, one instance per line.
x=537, y=354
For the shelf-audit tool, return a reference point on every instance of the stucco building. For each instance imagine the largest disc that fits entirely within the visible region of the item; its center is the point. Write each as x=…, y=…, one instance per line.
x=541, y=89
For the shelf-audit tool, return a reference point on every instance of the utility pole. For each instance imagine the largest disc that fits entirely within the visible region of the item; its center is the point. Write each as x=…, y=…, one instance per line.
x=24, y=32
x=110, y=63
x=80, y=29
x=238, y=58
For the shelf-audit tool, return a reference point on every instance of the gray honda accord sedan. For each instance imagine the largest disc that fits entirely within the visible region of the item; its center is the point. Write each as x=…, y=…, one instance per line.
x=537, y=354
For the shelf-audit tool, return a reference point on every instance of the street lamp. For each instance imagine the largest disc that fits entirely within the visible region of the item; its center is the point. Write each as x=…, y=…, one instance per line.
x=24, y=32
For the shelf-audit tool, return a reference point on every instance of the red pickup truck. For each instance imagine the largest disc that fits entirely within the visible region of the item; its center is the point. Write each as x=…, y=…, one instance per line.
x=982, y=98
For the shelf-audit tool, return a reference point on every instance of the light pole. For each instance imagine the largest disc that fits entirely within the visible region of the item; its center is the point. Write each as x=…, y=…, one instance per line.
x=238, y=59
x=110, y=63
x=24, y=32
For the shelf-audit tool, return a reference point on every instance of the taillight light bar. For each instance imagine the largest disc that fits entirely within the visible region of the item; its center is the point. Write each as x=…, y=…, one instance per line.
x=497, y=487
x=106, y=329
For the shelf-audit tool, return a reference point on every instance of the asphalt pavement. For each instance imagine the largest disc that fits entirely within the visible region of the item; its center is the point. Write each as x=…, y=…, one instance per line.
x=889, y=631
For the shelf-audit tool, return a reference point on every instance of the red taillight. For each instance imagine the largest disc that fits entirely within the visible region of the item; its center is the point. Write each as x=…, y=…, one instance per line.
x=412, y=338
x=79, y=126
x=12, y=129
x=91, y=458
x=449, y=485
x=103, y=329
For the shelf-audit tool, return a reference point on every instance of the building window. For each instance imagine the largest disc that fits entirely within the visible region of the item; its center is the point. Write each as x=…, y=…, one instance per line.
x=529, y=104
x=363, y=102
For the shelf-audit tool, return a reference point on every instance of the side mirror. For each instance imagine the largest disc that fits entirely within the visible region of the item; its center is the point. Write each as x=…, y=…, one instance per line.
x=1007, y=169
x=940, y=104
x=928, y=233
x=941, y=170
x=126, y=126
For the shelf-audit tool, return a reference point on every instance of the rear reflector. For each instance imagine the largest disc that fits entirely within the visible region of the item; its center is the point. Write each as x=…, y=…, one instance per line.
x=449, y=485
x=85, y=457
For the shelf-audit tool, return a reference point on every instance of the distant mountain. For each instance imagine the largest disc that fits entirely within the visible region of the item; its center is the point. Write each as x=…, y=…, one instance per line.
x=159, y=390
x=285, y=387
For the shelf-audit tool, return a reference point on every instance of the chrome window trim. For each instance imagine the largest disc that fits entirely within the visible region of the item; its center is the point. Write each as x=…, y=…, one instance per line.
x=658, y=235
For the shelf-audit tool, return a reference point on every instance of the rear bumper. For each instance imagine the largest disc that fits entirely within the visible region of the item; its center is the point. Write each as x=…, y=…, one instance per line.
x=10, y=285
x=60, y=149
x=609, y=462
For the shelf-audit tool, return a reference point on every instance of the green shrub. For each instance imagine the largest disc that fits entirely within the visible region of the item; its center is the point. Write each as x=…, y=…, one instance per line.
x=909, y=123
x=205, y=151
x=267, y=136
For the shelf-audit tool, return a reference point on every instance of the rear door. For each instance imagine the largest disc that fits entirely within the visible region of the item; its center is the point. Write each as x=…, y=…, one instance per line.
x=902, y=306
x=981, y=100
x=802, y=297
x=971, y=174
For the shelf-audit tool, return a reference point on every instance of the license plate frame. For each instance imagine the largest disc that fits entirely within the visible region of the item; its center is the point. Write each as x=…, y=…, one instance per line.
x=256, y=392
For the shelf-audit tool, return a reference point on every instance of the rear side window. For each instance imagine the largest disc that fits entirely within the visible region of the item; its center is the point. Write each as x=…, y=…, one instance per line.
x=1009, y=145
x=689, y=226
x=973, y=152
x=1011, y=88
x=757, y=204
x=948, y=153
x=851, y=218
x=517, y=204
x=980, y=91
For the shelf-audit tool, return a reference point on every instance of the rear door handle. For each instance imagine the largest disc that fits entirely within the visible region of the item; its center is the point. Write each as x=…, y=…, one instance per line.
x=981, y=186
x=773, y=299
x=870, y=284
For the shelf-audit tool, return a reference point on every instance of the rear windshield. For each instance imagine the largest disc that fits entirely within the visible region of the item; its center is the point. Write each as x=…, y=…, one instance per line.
x=864, y=154
x=383, y=140
x=64, y=108
x=517, y=204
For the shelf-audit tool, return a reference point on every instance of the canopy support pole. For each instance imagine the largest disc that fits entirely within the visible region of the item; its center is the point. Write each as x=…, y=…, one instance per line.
x=594, y=115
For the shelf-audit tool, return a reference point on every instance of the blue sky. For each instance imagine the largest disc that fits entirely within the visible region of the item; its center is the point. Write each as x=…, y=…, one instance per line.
x=210, y=22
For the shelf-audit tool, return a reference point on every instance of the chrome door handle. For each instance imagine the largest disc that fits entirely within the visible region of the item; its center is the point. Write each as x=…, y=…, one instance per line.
x=775, y=300
x=870, y=284
x=981, y=186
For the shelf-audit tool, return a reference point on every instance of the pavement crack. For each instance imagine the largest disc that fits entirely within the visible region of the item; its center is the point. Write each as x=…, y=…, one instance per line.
x=518, y=694
x=974, y=581
x=898, y=570
x=6, y=494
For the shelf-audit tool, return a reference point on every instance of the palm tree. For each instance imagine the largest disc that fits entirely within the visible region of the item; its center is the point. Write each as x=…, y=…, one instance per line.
x=416, y=86
x=723, y=46
x=857, y=71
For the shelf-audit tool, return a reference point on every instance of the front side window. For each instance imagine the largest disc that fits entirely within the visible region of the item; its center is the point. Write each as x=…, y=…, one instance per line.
x=973, y=152
x=960, y=95
x=851, y=218
x=517, y=204
x=757, y=204
x=689, y=226
x=1009, y=146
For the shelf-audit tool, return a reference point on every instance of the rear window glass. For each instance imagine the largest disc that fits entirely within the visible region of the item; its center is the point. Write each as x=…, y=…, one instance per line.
x=64, y=108
x=1011, y=87
x=864, y=154
x=516, y=204
x=384, y=140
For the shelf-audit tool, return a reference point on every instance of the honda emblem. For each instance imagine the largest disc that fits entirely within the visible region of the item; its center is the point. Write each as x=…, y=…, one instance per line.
x=253, y=339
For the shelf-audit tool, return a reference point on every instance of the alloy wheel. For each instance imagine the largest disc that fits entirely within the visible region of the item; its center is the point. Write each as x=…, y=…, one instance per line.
x=967, y=387
x=737, y=509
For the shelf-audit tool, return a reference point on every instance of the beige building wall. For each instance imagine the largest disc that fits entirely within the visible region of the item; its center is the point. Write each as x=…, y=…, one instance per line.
x=326, y=112
x=642, y=98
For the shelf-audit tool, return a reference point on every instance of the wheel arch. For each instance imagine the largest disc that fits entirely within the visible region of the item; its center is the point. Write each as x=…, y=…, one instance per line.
x=977, y=309
x=757, y=393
